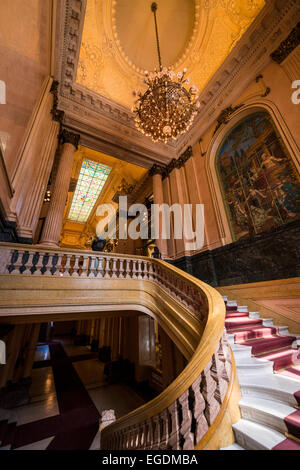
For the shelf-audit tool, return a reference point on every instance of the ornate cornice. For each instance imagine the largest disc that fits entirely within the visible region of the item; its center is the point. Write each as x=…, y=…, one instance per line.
x=164, y=171
x=110, y=127
x=287, y=46
x=68, y=137
x=57, y=114
x=243, y=64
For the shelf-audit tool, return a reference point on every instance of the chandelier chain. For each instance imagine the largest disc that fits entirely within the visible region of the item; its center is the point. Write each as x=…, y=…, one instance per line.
x=154, y=8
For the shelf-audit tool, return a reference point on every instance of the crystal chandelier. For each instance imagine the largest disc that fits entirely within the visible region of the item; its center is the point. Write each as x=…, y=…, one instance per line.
x=167, y=109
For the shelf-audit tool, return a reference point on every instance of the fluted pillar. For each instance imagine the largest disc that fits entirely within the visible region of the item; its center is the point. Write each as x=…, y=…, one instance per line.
x=54, y=219
x=34, y=167
x=159, y=199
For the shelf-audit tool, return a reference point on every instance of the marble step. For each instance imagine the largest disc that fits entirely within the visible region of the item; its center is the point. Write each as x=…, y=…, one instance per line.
x=252, y=366
x=240, y=351
x=270, y=387
x=255, y=436
x=232, y=303
x=254, y=315
x=232, y=447
x=266, y=412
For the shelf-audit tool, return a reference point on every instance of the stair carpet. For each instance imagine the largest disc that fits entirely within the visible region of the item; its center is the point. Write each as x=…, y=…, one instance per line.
x=270, y=404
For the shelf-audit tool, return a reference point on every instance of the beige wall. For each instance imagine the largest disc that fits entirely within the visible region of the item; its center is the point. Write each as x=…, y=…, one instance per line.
x=198, y=179
x=24, y=66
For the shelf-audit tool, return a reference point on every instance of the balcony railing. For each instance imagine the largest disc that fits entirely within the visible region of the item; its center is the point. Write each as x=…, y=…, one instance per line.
x=192, y=312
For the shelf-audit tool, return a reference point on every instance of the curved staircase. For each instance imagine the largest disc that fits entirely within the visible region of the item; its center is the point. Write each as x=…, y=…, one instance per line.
x=268, y=365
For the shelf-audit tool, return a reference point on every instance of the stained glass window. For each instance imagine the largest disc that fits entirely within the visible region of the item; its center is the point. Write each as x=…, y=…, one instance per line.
x=92, y=178
x=259, y=181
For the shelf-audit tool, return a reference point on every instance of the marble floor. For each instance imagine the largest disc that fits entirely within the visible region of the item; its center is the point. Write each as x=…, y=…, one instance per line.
x=45, y=411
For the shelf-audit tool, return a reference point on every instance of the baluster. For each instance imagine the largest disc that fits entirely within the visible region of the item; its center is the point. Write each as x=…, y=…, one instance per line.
x=100, y=266
x=114, y=268
x=121, y=269
x=156, y=431
x=134, y=270
x=139, y=270
x=128, y=269
x=162, y=276
x=184, y=294
x=191, y=295
x=107, y=267
x=29, y=263
x=185, y=427
x=84, y=269
x=76, y=266
x=143, y=435
x=149, y=434
x=224, y=346
x=58, y=265
x=216, y=373
x=174, y=438
x=68, y=265
x=93, y=266
x=145, y=270
x=49, y=265
x=208, y=391
x=151, y=272
x=169, y=282
x=164, y=418
x=19, y=262
x=198, y=410
x=39, y=265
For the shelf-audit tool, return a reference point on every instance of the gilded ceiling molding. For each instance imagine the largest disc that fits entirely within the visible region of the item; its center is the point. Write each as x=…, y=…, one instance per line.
x=287, y=46
x=102, y=123
x=113, y=33
x=247, y=59
x=109, y=127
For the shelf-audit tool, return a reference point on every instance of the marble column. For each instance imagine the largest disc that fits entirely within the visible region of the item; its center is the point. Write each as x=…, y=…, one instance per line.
x=54, y=219
x=158, y=195
x=34, y=167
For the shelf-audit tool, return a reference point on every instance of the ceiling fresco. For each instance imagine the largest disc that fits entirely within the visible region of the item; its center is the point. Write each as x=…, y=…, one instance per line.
x=118, y=41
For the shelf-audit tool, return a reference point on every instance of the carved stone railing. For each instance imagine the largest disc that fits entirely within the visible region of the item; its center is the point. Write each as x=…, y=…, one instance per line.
x=184, y=414
x=183, y=424
x=37, y=261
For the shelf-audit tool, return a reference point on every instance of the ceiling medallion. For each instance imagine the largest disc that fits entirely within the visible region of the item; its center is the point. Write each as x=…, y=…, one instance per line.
x=167, y=109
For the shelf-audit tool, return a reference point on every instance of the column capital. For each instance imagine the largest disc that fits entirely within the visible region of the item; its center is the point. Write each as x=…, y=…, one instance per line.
x=157, y=170
x=164, y=171
x=68, y=137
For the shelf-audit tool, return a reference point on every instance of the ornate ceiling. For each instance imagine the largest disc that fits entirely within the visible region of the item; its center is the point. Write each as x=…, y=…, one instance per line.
x=118, y=41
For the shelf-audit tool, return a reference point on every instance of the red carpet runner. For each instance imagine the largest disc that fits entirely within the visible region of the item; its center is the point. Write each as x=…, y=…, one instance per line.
x=267, y=343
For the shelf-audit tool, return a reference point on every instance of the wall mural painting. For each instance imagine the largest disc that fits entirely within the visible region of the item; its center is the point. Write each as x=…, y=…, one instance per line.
x=259, y=181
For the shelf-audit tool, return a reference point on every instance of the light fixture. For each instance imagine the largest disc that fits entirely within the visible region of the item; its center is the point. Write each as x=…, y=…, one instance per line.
x=167, y=109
